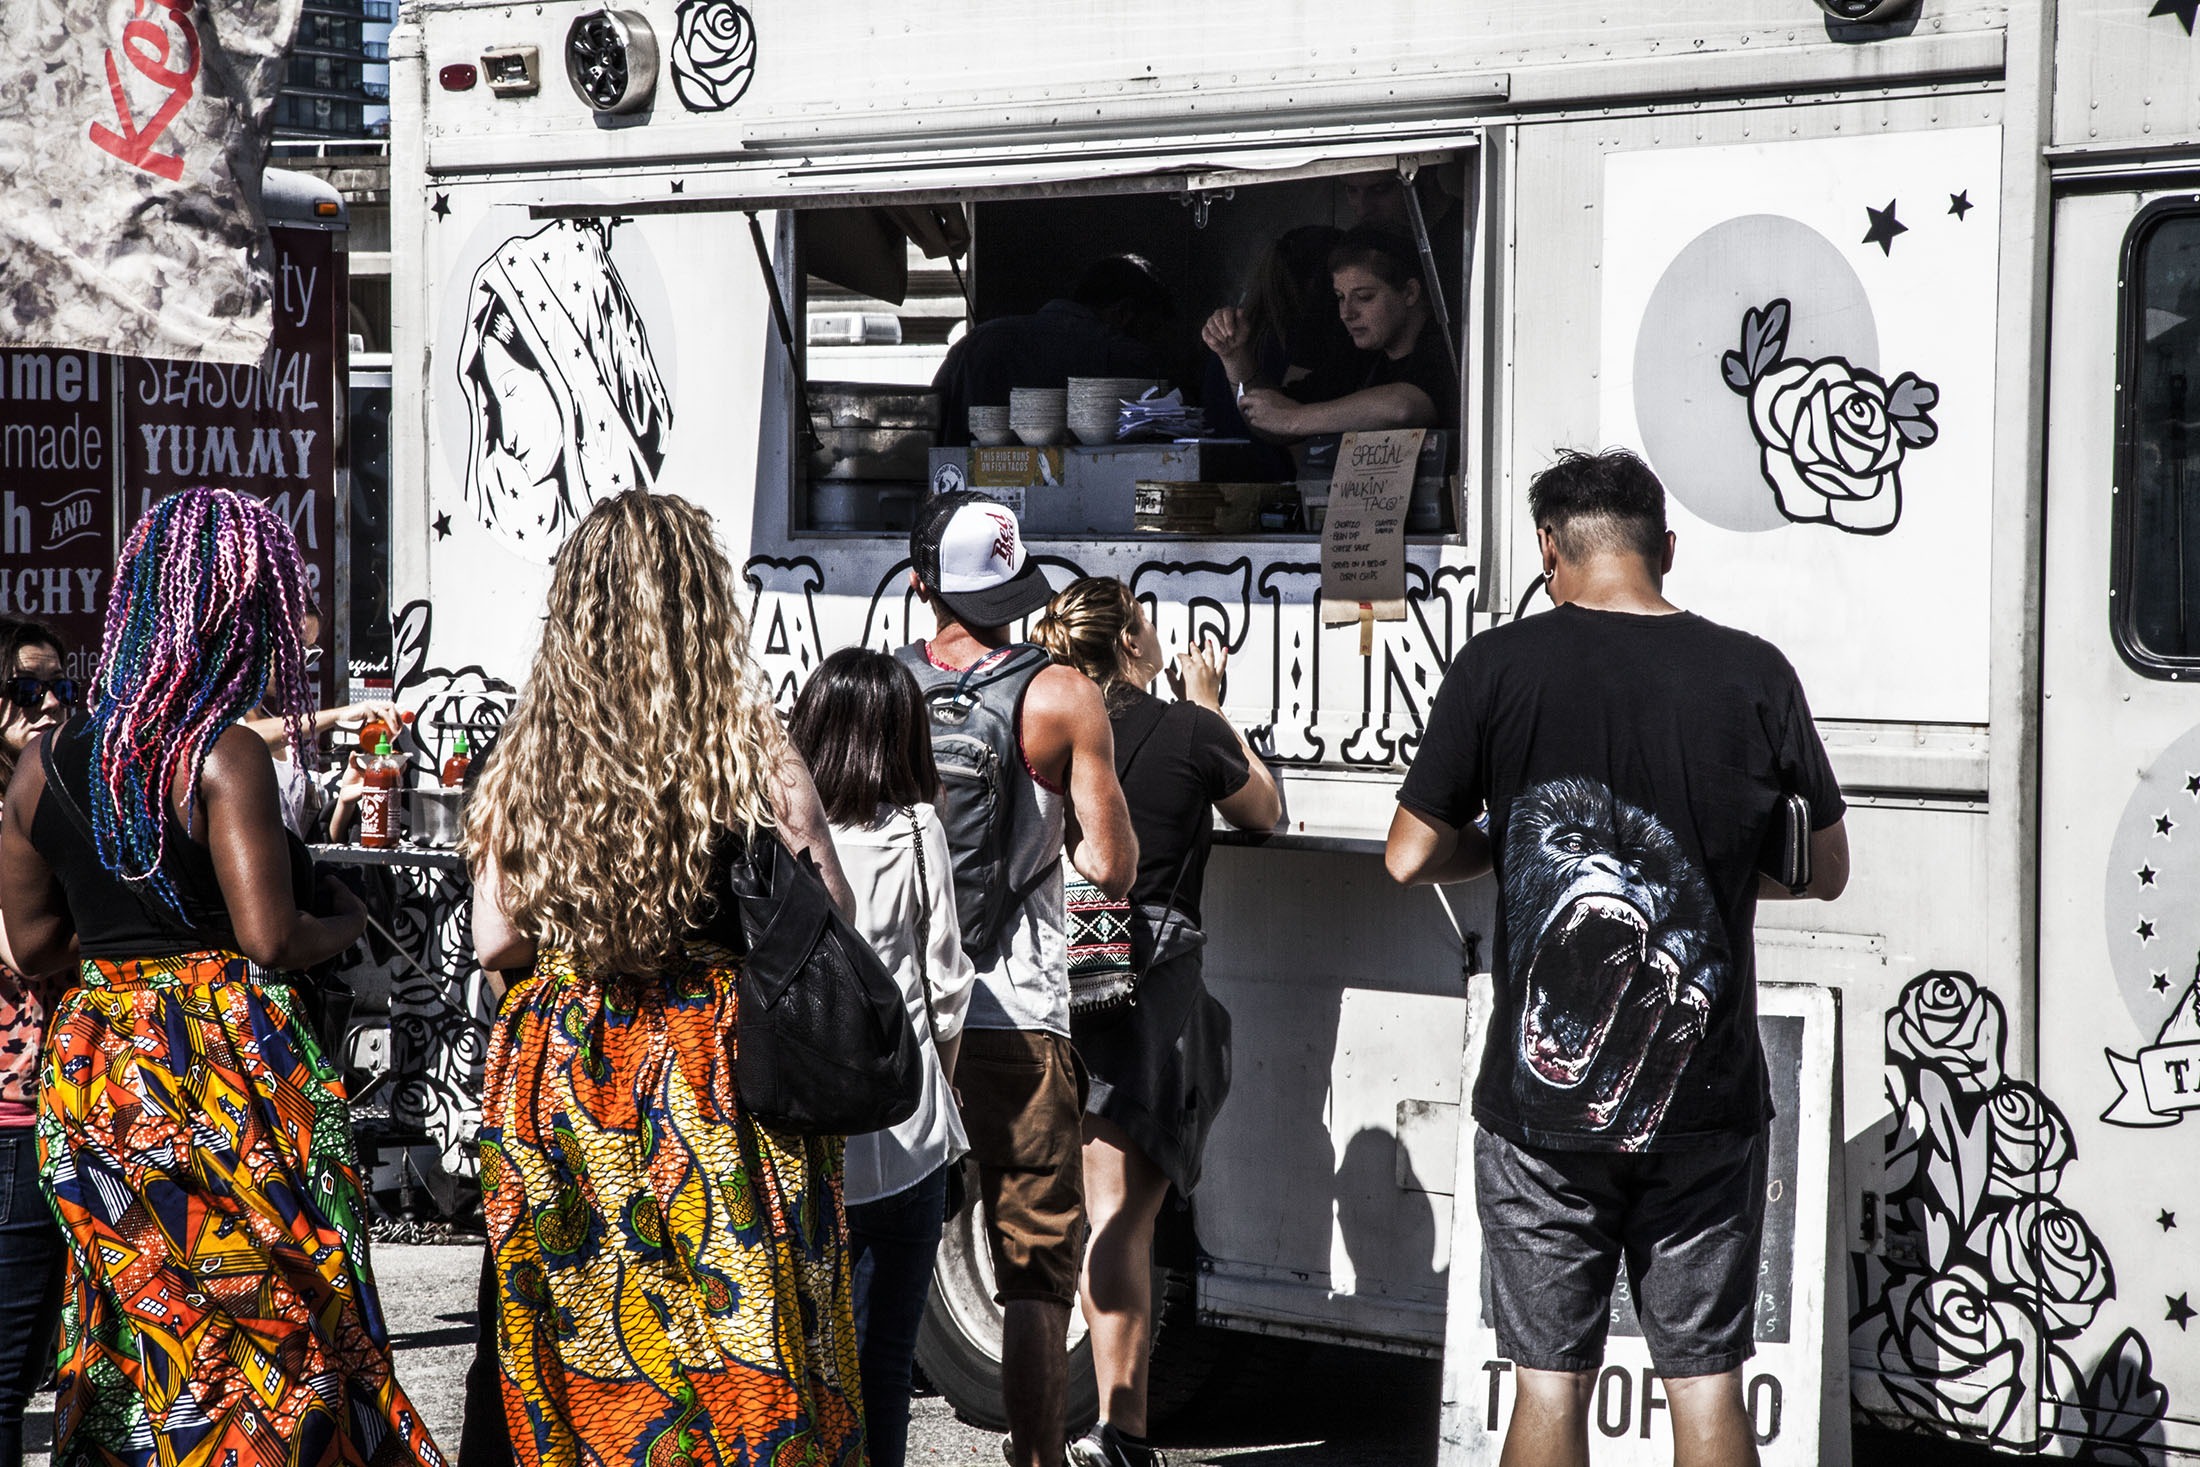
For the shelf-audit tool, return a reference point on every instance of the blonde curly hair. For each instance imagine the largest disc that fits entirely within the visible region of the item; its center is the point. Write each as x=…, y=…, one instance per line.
x=642, y=736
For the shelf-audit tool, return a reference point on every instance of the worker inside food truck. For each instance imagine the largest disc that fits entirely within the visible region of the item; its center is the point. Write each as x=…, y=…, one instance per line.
x=1312, y=309
x=1107, y=327
x=1405, y=376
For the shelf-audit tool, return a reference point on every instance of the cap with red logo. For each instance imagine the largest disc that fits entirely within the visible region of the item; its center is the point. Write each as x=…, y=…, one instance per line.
x=968, y=549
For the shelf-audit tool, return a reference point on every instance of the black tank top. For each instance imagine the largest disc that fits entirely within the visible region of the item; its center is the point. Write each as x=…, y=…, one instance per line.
x=113, y=920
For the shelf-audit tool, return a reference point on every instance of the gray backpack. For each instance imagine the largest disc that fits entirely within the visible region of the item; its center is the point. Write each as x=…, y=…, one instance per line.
x=985, y=790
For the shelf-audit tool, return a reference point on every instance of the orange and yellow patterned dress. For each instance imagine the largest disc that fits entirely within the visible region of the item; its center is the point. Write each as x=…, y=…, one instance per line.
x=221, y=1310
x=674, y=1277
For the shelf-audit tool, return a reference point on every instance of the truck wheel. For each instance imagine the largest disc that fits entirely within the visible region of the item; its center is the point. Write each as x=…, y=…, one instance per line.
x=959, y=1343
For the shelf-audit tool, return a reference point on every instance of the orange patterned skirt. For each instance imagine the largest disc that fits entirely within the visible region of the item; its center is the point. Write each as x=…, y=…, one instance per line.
x=220, y=1307
x=674, y=1277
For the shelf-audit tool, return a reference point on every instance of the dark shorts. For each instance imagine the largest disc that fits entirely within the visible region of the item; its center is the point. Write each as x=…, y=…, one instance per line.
x=1556, y=1226
x=1023, y=1103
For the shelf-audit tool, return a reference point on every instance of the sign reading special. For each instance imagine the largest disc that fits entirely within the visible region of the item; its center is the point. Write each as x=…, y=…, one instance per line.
x=1364, y=536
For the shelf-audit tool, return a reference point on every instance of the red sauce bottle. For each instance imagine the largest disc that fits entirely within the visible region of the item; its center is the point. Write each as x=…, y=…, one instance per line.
x=455, y=767
x=374, y=731
x=378, y=801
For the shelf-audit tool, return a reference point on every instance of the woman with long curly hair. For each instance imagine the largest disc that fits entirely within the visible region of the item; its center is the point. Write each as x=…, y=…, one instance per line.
x=1161, y=1067
x=675, y=1275
x=196, y=1142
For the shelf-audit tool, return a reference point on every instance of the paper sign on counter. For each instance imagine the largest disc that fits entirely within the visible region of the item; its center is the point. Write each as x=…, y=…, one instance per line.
x=1364, y=537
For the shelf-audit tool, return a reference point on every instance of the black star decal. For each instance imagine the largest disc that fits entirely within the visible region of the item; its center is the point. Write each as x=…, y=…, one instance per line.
x=2145, y=929
x=2192, y=781
x=2168, y=1220
x=2163, y=825
x=679, y=185
x=1885, y=226
x=2146, y=876
x=2161, y=983
x=2180, y=1312
x=2184, y=10
x=1960, y=204
x=442, y=208
x=443, y=526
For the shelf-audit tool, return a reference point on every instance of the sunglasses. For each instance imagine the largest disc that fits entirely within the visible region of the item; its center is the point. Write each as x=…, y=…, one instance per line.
x=29, y=693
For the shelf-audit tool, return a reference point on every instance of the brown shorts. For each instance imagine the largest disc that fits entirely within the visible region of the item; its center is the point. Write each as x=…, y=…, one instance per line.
x=1023, y=1103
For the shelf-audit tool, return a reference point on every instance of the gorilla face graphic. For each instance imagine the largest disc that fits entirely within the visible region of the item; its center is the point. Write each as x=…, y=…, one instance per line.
x=1615, y=944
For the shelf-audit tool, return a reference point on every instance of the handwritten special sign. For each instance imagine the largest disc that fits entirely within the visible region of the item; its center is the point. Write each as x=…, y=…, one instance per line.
x=1364, y=536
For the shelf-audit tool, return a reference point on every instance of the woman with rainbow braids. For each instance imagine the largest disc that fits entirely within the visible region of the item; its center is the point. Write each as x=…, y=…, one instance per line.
x=196, y=1144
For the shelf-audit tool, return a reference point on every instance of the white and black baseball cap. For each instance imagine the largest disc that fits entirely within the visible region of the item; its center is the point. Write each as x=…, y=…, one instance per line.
x=970, y=551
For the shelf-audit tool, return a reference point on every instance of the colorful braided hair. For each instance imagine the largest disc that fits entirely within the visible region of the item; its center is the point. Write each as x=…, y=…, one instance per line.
x=204, y=624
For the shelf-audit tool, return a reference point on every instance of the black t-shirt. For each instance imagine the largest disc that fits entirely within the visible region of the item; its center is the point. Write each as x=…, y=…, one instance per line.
x=1427, y=367
x=1631, y=767
x=1175, y=760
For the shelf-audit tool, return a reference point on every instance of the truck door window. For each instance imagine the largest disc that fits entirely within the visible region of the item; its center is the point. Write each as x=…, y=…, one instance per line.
x=2155, y=604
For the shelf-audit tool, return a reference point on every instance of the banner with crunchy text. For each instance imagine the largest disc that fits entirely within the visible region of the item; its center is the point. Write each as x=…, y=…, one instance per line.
x=132, y=135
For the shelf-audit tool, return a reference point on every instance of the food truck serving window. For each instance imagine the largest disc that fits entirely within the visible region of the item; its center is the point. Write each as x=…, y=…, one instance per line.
x=1130, y=362
x=2155, y=602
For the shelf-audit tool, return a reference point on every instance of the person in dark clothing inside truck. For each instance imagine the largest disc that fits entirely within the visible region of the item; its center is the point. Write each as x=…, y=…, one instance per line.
x=1118, y=306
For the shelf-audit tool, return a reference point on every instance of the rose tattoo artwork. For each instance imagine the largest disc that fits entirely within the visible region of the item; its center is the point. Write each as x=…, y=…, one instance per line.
x=1833, y=435
x=1973, y=1318
x=713, y=54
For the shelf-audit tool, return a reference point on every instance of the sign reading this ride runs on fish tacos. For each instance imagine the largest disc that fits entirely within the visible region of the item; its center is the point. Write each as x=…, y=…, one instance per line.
x=132, y=136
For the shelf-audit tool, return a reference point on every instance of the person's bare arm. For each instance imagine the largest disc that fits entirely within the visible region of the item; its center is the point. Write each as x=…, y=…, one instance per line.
x=1424, y=852
x=1829, y=868
x=499, y=945
x=1391, y=405
x=1068, y=739
x=245, y=837
x=803, y=826
x=1197, y=678
x=41, y=935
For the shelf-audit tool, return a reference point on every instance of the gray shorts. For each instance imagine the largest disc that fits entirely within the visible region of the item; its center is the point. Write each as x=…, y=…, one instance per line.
x=1557, y=1224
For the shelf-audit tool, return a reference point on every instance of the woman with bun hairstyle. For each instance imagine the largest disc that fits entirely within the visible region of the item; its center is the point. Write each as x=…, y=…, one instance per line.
x=1160, y=1068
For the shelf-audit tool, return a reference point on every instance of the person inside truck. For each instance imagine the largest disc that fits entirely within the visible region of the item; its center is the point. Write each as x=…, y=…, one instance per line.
x=1378, y=201
x=1407, y=379
x=1108, y=327
x=1287, y=335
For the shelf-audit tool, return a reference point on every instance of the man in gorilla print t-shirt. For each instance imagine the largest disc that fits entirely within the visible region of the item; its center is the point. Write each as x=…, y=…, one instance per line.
x=1630, y=759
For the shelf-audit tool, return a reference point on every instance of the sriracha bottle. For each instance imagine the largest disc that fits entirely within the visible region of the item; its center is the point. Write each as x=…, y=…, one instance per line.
x=378, y=801
x=454, y=768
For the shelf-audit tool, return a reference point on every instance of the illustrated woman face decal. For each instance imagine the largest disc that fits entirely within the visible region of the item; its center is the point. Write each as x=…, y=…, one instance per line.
x=564, y=399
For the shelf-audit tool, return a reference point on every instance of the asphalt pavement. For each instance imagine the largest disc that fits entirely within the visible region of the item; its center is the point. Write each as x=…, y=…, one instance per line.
x=1318, y=1408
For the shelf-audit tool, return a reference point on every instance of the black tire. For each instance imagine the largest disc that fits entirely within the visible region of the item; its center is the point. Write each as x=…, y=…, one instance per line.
x=959, y=1343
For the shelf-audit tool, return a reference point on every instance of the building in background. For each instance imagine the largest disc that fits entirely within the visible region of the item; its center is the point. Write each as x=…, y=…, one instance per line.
x=338, y=83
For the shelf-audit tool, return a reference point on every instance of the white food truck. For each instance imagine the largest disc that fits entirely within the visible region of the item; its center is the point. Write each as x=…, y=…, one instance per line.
x=1902, y=302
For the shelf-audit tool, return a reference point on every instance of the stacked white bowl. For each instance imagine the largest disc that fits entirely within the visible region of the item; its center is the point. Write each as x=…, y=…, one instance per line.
x=989, y=427
x=1096, y=404
x=1037, y=415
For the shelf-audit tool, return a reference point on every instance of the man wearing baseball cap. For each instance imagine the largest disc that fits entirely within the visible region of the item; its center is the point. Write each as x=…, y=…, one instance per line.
x=1051, y=771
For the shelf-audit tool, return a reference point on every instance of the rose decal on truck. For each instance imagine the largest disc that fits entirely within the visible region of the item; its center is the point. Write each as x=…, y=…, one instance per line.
x=713, y=54
x=1988, y=1279
x=1832, y=435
